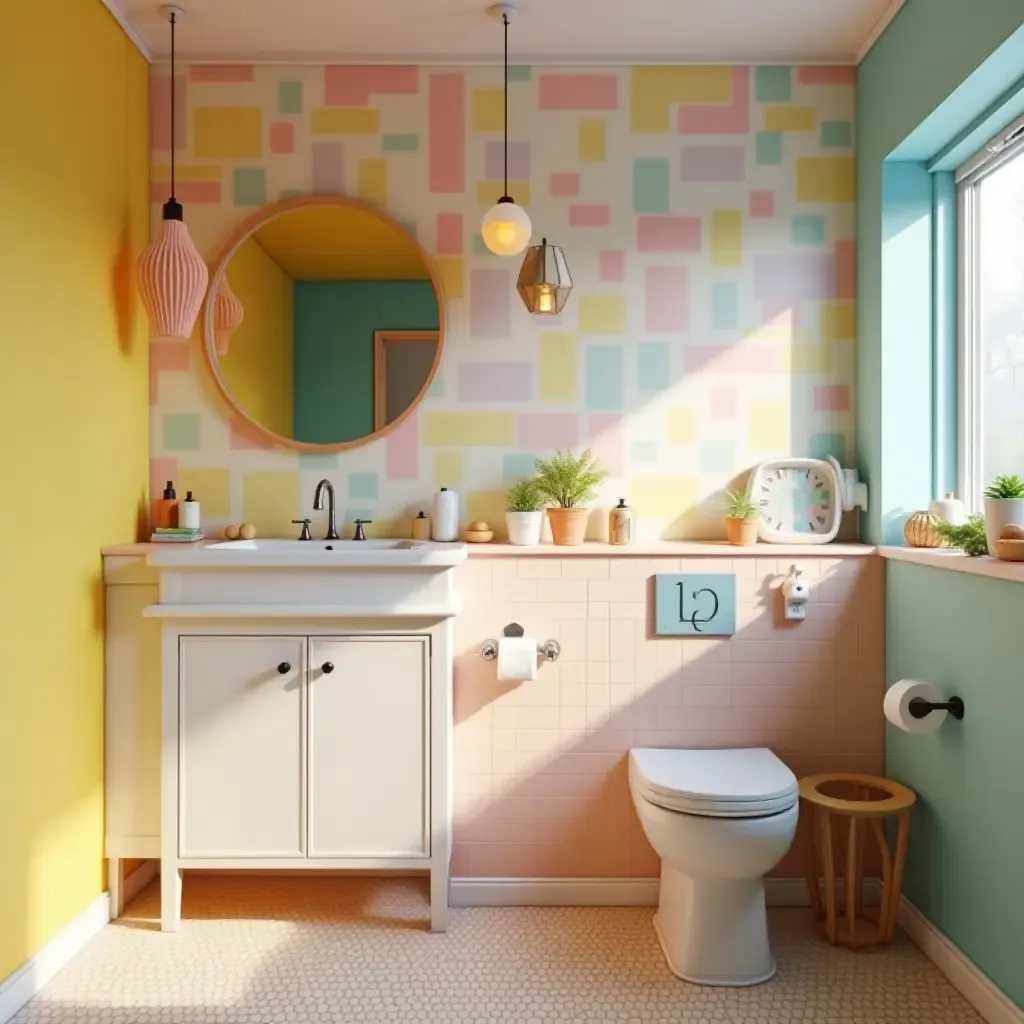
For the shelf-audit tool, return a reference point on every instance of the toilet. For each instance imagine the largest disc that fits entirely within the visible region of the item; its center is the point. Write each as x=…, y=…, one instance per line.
x=720, y=820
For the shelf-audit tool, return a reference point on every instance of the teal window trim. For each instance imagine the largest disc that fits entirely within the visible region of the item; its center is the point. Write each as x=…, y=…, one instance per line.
x=945, y=342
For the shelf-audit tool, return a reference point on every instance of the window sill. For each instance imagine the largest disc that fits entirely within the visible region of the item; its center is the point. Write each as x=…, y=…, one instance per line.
x=957, y=561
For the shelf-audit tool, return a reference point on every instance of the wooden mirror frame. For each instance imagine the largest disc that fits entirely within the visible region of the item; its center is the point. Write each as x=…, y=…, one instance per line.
x=247, y=228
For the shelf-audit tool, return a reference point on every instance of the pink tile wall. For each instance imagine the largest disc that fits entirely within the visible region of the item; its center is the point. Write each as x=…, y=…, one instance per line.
x=540, y=767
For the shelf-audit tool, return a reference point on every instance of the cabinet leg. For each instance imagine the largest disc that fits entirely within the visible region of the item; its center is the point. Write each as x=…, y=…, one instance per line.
x=439, y=899
x=170, y=898
x=115, y=885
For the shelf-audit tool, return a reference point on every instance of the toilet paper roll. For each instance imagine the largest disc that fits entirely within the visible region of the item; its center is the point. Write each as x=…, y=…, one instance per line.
x=897, y=706
x=517, y=659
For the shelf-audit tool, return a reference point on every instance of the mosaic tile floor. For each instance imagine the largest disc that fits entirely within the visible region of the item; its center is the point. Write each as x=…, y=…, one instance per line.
x=322, y=950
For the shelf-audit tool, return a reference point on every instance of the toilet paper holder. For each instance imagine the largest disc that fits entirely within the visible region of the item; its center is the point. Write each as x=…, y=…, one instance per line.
x=550, y=649
x=921, y=708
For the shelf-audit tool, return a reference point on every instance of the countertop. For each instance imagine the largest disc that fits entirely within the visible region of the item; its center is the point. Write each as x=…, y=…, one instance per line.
x=600, y=549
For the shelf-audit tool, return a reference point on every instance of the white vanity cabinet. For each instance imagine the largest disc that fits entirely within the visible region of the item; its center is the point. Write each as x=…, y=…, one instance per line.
x=254, y=722
x=241, y=746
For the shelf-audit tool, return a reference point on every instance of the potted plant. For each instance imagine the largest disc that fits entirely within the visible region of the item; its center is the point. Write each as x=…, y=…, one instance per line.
x=1004, y=504
x=569, y=481
x=524, y=512
x=742, y=518
x=970, y=537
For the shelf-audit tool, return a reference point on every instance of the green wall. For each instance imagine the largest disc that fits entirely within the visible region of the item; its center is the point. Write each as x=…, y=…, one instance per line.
x=334, y=325
x=924, y=86
x=962, y=633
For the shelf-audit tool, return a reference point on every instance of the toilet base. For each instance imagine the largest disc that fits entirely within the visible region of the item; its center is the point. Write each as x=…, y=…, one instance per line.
x=714, y=932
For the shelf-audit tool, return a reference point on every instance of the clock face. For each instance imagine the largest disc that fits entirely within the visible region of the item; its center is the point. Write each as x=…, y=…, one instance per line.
x=796, y=499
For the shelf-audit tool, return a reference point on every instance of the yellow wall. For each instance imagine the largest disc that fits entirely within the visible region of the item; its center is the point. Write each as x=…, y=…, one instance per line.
x=258, y=366
x=74, y=436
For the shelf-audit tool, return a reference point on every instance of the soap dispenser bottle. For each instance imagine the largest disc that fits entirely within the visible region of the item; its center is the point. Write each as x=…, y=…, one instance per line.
x=188, y=513
x=620, y=524
x=445, y=527
x=421, y=527
x=165, y=509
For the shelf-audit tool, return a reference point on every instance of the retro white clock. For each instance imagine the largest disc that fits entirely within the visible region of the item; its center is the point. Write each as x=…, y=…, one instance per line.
x=802, y=500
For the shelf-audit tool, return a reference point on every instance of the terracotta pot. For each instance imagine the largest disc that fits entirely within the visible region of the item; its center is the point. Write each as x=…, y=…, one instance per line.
x=741, y=531
x=568, y=525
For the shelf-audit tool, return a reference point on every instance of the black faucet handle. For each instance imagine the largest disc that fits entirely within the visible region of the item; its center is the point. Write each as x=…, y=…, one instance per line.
x=360, y=523
x=305, y=535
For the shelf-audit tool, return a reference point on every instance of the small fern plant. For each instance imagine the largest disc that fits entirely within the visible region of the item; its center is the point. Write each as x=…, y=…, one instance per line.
x=739, y=506
x=524, y=496
x=569, y=480
x=970, y=538
x=1005, y=486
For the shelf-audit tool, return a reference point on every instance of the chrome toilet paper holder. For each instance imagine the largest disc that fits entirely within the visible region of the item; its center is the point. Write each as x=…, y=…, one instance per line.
x=550, y=649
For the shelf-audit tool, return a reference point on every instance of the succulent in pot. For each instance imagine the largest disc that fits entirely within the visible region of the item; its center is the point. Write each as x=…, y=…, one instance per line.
x=524, y=512
x=742, y=518
x=569, y=482
x=1004, y=505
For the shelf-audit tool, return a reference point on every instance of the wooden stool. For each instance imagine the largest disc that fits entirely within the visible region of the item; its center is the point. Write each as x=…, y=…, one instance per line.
x=863, y=810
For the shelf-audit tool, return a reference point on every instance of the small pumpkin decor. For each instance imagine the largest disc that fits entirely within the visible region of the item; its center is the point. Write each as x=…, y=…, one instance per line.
x=569, y=481
x=919, y=530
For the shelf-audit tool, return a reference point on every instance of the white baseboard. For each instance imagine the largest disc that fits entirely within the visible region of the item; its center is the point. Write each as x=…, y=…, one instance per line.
x=139, y=879
x=28, y=979
x=988, y=999
x=604, y=892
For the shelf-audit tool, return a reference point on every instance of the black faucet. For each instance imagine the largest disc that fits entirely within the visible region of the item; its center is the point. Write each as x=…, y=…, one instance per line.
x=360, y=523
x=318, y=504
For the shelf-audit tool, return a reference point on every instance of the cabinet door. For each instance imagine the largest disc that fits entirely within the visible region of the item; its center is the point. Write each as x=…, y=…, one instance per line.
x=369, y=734
x=241, y=747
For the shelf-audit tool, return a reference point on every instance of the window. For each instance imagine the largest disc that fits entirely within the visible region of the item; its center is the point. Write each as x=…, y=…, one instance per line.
x=991, y=356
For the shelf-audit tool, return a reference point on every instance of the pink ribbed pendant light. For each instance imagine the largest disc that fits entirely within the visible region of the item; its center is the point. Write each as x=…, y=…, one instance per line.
x=227, y=315
x=172, y=274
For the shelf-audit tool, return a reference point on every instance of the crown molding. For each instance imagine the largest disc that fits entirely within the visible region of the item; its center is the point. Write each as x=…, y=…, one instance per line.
x=547, y=61
x=118, y=14
x=879, y=27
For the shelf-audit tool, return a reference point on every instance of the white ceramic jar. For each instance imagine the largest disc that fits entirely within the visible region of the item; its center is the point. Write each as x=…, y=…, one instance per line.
x=949, y=509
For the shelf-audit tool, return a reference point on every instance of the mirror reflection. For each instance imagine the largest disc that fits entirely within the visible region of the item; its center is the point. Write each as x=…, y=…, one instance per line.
x=326, y=326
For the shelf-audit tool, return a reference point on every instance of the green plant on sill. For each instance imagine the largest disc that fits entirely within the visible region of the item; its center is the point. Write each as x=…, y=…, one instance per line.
x=524, y=496
x=569, y=480
x=739, y=506
x=1005, y=486
x=969, y=538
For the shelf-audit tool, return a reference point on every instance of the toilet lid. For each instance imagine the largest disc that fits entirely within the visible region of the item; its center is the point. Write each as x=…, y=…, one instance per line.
x=714, y=783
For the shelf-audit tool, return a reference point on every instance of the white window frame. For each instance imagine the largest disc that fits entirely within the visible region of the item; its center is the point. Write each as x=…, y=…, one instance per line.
x=999, y=150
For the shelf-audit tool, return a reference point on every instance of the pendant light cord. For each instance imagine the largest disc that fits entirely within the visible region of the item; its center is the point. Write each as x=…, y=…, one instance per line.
x=173, y=90
x=504, y=18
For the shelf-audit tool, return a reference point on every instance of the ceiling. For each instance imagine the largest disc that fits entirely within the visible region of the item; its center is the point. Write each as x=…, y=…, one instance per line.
x=337, y=243
x=543, y=31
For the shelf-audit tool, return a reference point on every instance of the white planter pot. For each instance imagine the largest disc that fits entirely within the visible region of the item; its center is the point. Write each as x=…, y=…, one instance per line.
x=524, y=527
x=1000, y=512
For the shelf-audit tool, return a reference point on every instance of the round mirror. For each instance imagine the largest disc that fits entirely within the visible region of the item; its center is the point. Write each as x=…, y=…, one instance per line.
x=324, y=323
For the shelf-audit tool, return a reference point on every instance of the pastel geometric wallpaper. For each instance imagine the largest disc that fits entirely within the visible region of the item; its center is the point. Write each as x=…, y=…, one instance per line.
x=707, y=214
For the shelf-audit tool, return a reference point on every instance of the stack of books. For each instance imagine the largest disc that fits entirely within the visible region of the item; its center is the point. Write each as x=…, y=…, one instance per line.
x=176, y=535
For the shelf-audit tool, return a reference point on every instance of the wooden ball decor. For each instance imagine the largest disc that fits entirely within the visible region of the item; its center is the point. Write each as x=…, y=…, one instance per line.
x=920, y=530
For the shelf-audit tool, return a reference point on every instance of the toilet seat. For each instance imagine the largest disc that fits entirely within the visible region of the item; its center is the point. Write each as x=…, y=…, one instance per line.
x=742, y=783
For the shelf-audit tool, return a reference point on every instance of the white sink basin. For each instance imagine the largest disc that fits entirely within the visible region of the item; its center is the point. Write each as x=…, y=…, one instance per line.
x=304, y=546
x=308, y=553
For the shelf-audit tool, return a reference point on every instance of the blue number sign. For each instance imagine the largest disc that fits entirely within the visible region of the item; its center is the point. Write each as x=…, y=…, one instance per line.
x=695, y=605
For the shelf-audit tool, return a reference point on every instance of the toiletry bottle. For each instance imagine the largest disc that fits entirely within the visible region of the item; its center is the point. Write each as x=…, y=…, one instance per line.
x=445, y=527
x=620, y=524
x=165, y=509
x=188, y=513
x=421, y=527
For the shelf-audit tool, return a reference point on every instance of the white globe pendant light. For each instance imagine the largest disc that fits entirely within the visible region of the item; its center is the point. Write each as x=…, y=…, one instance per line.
x=506, y=227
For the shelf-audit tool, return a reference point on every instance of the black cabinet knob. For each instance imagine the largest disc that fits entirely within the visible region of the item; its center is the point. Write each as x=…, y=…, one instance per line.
x=328, y=666
x=284, y=667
